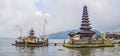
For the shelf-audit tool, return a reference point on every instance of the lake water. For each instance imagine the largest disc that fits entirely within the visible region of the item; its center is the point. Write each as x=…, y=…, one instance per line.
x=6, y=49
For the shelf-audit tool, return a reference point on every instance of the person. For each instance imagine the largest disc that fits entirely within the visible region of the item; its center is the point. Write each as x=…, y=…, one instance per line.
x=89, y=41
x=16, y=41
x=64, y=41
x=55, y=44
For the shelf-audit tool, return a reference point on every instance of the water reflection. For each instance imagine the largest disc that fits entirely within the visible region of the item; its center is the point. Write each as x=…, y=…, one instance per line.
x=106, y=51
x=26, y=51
x=54, y=51
x=6, y=49
x=80, y=51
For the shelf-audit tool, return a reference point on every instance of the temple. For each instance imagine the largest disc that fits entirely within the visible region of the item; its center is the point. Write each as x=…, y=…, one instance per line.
x=85, y=34
x=85, y=30
x=86, y=38
x=31, y=33
x=31, y=40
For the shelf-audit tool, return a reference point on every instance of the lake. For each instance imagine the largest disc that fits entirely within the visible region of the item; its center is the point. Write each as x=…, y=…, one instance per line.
x=6, y=49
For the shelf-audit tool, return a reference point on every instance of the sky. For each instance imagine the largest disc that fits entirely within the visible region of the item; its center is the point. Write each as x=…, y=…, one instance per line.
x=61, y=15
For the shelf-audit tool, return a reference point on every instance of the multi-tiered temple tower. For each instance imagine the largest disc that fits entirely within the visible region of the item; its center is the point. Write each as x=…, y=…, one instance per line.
x=31, y=33
x=85, y=30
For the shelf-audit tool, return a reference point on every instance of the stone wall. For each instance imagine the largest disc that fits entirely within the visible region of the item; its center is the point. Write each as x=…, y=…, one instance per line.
x=91, y=41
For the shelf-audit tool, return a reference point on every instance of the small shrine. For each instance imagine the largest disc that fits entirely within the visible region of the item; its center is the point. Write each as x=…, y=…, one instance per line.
x=31, y=40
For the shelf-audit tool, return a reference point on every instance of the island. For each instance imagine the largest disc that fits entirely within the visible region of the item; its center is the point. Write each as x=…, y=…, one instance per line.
x=84, y=38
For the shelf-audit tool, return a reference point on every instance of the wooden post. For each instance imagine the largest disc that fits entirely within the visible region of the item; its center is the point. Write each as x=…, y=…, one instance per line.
x=102, y=41
x=46, y=41
x=89, y=41
x=72, y=41
x=64, y=41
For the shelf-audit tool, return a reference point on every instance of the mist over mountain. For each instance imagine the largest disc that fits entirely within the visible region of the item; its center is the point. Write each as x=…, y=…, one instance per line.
x=64, y=34
x=60, y=35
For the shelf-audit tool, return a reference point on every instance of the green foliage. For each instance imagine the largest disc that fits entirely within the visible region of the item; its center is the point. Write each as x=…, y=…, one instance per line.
x=88, y=45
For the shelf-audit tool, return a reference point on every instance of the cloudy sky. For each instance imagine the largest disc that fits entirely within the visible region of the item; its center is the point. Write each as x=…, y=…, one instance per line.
x=61, y=15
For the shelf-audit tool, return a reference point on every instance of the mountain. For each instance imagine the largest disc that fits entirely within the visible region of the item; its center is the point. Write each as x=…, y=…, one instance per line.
x=60, y=35
x=64, y=34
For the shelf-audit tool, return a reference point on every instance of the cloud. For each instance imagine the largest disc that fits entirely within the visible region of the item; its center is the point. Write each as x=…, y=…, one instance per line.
x=103, y=14
x=41, y=14
x=61, y=15
x=13, y=12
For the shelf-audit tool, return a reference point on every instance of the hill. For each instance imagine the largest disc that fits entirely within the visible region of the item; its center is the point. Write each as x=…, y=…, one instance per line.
x=64, y=34
x=60, y=35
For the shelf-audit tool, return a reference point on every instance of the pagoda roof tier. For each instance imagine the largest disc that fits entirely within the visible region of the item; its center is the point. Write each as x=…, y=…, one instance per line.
x=86, y=32
x=86, y=28
x=85, y=24
x=85, y=20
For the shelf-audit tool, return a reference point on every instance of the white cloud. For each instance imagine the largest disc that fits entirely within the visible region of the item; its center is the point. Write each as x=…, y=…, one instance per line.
x=13, y=12
x=39, y=13
x=61, y=15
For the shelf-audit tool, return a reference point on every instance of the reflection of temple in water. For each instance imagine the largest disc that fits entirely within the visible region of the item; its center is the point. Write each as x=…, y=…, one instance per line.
x=85, y=51
x=81, y=51
x=26, y=51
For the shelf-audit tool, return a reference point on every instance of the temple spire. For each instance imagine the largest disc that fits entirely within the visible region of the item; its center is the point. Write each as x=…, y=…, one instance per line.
x=85, y=11
x=31, y=32
x=85, y=25
x=85, y=20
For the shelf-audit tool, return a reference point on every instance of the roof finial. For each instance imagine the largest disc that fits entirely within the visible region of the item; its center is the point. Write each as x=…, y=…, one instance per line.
x=31, y=30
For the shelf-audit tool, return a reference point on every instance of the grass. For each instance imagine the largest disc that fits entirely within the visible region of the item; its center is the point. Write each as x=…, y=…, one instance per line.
x=88, y=45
